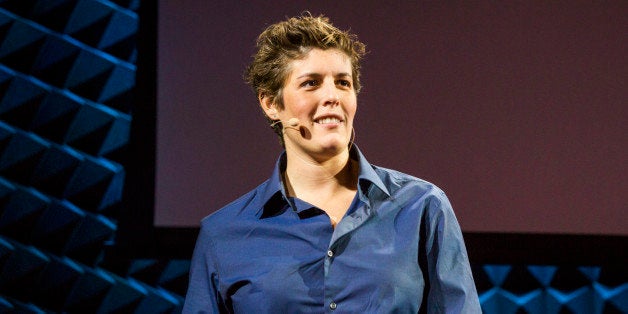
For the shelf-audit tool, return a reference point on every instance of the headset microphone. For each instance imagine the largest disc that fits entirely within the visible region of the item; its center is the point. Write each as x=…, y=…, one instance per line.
x=293, y=122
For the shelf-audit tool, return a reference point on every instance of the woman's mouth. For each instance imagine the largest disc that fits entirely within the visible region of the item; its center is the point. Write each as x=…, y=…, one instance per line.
x=328, y=120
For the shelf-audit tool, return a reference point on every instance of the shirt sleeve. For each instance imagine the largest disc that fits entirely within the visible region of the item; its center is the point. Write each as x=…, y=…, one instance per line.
x=451, y=285
x=203, y=295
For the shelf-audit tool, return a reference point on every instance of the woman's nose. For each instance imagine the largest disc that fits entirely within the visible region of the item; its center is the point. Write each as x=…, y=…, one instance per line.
x=331, y=94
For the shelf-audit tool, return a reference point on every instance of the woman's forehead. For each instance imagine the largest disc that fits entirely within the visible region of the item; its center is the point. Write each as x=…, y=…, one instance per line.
x=318, y=61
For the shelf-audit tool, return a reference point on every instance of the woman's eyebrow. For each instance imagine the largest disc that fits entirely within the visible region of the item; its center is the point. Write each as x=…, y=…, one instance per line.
x=309, y=74
x=343, y=74
x=314, y=74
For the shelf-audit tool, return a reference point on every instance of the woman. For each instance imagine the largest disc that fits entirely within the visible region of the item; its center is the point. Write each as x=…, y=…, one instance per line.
x=327, y=231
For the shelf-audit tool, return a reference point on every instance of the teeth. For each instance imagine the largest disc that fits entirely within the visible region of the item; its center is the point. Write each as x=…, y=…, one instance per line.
x=328, y=120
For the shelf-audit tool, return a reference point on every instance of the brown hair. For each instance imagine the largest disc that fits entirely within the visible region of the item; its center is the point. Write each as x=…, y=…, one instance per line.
x=292, y=39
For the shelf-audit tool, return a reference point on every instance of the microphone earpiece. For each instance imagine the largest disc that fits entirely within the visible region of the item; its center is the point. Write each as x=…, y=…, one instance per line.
x=293, y=122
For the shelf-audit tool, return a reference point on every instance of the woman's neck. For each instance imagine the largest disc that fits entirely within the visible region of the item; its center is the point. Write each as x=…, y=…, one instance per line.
x=308, y=175
x=329, y=185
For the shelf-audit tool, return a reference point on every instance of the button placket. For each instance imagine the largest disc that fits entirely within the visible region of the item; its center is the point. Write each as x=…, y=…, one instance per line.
x=328, y=260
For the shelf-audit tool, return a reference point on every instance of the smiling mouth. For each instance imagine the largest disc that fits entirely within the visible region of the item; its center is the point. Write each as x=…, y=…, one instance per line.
x=328, y=120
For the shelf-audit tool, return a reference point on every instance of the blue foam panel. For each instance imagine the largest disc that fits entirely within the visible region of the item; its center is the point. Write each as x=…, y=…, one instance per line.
x=21, y=34
x=22, y=43
x=22, y=270
x=132, y=5
x=88, y=67
x=543, y=274
x=89, y=238
x=55, y=60
x=6, y=306
x=20, y=156
x=158, y=301
x=565, y=289
x=175, y=270
x=91, y=13
x=21, y=307
x=174, y=277
x=5, y=21
x=56, y=225
x=89, y=120
x=55, y=169
x=6, y=190
x=21, y=212
x=52, y=14
x=56, y=282
x=6, y=76
x=21, y=100
x=117, y=137
x=616, y=297
x=55, y=116
x=89, y=291
x=497, y=273
x=121, y=80
x=123, y=297
x=95, y=184
x=6, y=249
x=122, y=26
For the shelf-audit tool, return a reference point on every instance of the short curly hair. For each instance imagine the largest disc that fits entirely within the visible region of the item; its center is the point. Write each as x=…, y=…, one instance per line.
x=292, y=39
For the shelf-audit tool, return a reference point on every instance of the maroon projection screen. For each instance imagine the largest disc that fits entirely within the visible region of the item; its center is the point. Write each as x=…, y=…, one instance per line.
x=517, y=110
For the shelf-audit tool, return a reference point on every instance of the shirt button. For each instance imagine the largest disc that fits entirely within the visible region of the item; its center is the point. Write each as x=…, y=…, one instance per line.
x=332, y=305
x=330, y=254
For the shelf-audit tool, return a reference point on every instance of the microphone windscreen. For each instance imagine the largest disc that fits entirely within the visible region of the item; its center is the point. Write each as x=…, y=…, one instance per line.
x=293, y=121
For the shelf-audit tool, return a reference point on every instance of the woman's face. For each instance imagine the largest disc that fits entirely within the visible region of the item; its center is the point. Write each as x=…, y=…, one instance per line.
x=319, y=92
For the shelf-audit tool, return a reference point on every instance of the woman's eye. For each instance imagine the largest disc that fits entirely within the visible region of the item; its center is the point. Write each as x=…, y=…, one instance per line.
x=309, y=83
x=344, y=83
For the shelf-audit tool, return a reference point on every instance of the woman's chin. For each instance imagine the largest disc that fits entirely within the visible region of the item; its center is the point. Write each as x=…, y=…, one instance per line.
x=325, y=147
x=333, y=146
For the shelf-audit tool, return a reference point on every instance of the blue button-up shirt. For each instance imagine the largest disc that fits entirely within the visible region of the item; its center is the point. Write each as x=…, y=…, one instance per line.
x=398, y=249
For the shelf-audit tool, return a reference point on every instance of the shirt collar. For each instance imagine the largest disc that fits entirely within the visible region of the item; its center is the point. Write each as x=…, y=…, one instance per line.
x=273, y=194
x=367, y=175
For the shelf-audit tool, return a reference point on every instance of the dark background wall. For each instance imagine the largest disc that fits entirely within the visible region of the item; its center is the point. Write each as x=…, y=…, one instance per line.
x=67, y=98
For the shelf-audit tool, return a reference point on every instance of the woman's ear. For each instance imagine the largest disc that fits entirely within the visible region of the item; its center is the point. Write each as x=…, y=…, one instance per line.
x=268, y=106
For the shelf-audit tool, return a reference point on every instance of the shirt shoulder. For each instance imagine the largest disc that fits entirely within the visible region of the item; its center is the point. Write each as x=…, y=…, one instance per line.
x=397, y=181
x=415, y=194
x=246, y=205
